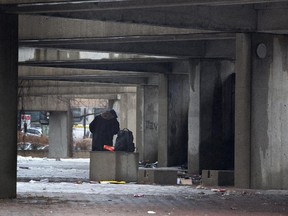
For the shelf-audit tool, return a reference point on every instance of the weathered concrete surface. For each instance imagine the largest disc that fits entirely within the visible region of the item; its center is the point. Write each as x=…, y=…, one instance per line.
x=116, y=166
x=194, y=119
x=211, y=115
x=151, y=125
x=218, y=177
x=160, y=176
x=163, y=121
x=269, y=114
x=8, y=107
x=216, y=115
x=242, y=111
x=60, y=134
x=44, y=88
x=44, y=27
x=126, y=106
x=178, y=104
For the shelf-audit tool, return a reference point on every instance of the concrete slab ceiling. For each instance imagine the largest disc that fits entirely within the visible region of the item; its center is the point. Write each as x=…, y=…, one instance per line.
x=220, y=18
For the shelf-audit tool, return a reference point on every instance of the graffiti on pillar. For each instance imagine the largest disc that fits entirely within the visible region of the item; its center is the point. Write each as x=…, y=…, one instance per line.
x=151, y=125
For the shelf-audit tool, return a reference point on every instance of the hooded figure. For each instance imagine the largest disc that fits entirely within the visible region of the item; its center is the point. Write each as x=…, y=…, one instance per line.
x=103, y=128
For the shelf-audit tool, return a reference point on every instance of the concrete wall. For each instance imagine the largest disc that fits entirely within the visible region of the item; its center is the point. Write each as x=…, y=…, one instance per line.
x=8, y=107
x=217, y=115
x=269, y=112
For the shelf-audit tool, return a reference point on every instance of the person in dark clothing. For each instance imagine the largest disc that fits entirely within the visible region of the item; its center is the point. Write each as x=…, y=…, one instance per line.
x=103, y=128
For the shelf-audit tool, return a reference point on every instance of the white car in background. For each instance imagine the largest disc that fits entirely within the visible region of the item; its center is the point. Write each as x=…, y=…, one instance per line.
x=34, y=132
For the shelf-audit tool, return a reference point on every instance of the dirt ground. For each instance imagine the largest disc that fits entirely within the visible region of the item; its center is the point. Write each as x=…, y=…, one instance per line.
x=201, y=203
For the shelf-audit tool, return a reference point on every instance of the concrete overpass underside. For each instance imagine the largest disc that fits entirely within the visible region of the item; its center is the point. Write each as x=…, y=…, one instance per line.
x=211, y=88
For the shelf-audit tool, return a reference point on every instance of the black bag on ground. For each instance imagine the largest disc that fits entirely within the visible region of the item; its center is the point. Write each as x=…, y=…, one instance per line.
x=124, y=141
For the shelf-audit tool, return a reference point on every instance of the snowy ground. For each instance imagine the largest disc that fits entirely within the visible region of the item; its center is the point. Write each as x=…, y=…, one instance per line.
x=72, y=176
x=29, y=168
x=41, y=192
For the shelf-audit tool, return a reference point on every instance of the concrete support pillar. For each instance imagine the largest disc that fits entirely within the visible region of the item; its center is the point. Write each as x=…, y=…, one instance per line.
x=151, y=128
x=8, y=107
x=243, y=111
x=269, y=112
x=60, y=134
x=126, y=111
x=147, y=123
x=178, y=106
x=194, y=120
x=217, y=115
x=140, y=122
x=163, y=121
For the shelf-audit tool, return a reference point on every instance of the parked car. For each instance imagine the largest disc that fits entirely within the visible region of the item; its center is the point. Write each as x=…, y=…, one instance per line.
x=34, y=132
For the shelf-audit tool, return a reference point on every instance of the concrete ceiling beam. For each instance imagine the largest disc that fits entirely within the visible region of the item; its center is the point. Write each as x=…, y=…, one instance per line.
x=179, y=46
x=273, y=20
x=107, y=80
x=70, y=84
x=51, y=71
x=44, y=27
x=153, y=65
x=90, y=96
x=77, y=90
x=80, y=76
x=225, y=18
x=29, y=6
x=39, y=88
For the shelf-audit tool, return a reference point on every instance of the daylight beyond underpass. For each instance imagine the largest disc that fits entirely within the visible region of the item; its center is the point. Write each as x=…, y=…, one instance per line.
x=38, y=193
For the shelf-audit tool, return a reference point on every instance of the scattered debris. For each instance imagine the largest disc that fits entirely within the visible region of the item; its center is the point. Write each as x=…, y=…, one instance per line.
x=200, y=187
x=218, y=190
x=21, y=167
x=138, y=195
x=112, y=182
x=196, y=179
x=145, y=164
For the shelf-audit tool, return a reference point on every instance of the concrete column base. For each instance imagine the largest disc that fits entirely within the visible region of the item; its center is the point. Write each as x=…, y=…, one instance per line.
x=114, y=166
x=162, y=176
x=218, y=177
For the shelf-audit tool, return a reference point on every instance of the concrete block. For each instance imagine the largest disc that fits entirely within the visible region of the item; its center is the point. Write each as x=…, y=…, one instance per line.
x=218, y=177
x=162, y=176
x=117, y=166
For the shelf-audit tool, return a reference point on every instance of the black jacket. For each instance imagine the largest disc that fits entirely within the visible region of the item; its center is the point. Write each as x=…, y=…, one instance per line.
x=103, y=128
